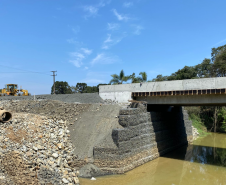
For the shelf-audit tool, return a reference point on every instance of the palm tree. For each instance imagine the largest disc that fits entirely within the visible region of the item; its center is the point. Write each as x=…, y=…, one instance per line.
x=135, y=79
x=138, y=79
x=119, y=79
x=144, y=76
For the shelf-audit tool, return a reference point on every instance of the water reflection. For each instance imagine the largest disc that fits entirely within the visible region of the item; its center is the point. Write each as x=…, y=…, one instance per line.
x=203, y=162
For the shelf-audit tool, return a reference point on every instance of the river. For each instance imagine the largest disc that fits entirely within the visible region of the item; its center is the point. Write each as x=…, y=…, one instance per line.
x=201, y=163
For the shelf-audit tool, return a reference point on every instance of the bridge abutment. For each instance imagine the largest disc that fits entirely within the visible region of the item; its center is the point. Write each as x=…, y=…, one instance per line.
x=148, y=132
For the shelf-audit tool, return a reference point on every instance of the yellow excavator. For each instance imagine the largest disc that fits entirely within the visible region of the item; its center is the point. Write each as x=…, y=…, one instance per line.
x=12, y=90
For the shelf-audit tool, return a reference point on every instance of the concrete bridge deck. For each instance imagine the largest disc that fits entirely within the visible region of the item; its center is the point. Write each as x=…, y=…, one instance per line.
x=204, y=91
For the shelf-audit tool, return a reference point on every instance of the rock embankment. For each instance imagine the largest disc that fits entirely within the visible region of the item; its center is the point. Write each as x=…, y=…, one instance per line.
x=195, y=132
x=52, y=109
x=36, y=150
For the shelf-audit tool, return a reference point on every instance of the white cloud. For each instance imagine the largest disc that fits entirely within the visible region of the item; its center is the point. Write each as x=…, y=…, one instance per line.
x=120, y=16
x=78, y=57
x=93, y=9
x=104, y=3
x=77, y=62
x=138, y=29
x=96, y=77
x=86, y=68
x=87, y=51
x=104, y=59
x=219, y=42
x=113, y=26
x=72, y=41
x=108, y=39
x=127, y=4
x=76, y=29
x=108, y=42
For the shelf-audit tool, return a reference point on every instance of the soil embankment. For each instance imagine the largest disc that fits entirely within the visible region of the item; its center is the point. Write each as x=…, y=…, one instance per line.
x=47, y=137
x=93, y=126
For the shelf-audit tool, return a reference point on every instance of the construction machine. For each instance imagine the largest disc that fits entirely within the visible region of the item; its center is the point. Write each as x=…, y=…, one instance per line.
x=12, y=90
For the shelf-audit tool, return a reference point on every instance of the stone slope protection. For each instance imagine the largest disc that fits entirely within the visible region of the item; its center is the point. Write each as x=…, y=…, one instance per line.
x=144, y=136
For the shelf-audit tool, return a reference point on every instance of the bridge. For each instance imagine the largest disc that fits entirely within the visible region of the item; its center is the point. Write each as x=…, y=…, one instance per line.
x=203, y=91
x=149, y=131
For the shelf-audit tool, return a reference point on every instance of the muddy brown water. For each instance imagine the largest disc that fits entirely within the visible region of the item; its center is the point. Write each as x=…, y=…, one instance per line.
x=201, y=163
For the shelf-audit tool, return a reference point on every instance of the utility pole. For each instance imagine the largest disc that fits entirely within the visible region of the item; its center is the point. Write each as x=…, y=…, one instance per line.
x=54, y=81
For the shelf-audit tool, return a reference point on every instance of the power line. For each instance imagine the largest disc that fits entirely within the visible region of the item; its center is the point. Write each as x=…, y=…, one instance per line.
x=15, y=72
x=23, y=70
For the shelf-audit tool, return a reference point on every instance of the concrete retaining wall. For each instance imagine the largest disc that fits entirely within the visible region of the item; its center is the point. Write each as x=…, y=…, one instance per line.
x=122, y=92
x=144, y=137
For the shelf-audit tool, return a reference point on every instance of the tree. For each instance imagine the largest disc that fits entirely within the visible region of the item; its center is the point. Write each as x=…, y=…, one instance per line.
x=135, y=79
x=74, y=89
x=203, y=70
x=91, y=89
x=61, y=88
x=80, y=87
x=160, y=78
x=219, y=62
x=186, y=73
x=83, y=88
x=119, y=79
x=216, y=51
x=143, y=76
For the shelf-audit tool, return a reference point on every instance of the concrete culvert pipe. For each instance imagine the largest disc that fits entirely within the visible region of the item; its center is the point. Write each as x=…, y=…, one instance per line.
x=5, y=116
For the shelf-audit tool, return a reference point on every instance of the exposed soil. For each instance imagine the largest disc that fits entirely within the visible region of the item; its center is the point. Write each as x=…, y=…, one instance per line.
x=17, y=170
x=92, y=128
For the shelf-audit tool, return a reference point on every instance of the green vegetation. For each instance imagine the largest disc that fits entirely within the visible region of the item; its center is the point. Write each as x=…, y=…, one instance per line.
x=64, y=88
x=198, y=124
x=203, y=118
x=214, y=67
x=119, y=79
x=61, y=88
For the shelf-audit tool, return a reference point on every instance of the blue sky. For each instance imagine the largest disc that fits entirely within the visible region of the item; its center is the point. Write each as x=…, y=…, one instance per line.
x=88, y=40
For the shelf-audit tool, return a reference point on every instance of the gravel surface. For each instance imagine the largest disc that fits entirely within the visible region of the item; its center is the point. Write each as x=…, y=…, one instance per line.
x=53, y=109
x=35, y=150
x=70, y=98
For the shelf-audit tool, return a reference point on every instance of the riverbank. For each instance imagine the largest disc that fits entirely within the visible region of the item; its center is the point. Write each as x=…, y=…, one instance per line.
x=199, y=128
